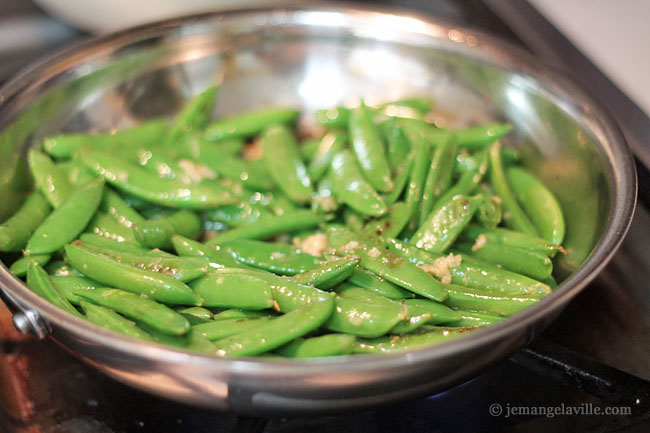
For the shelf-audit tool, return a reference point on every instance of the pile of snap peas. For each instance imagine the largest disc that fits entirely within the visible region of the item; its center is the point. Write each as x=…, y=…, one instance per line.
x=377, y=232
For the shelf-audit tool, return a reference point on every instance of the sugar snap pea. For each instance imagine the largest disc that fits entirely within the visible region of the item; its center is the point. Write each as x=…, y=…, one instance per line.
x=398, y=147
x=248, y=124
x=49, y=179
x=68, y=220
x=16, y=231
x=485, y=301
x=158, y=233
x=407, y=342
x=282, y=161
x=482, y=135
x=363, y=278
x=234, y=288
x=19, y=267
x=472, y=318
x=111, y=272
x=216, y=330
x=149, y=187
x=351, y=187
x=139, y=308
x=185, y=247
x=330, y=145
x=531, y=263
x=511, y=238
x=328, y=274
x=439, y=175
x=539, y=204
x=109, y=319
x=324, y=345
x=277, y=331
x=194, y=114
x=67, y=285
x=41, y=284
x=271, y=257
x=105, y=226
x=416, y=182
x=196, y=315
x=369, y=149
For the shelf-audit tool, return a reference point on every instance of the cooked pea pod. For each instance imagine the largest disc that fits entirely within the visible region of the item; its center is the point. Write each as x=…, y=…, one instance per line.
x=19, y=267
x=439, y=312
x=16, y=231
x=109, y=319
x=510, y=238
x=289, y=222
x=351, y=187
x=234, y=288
x=408, y=342
x=219, y=329
x=105, y=226
x=249, y=124
x=472, y=318
x=196, y=315
x=67, y=285
x=117, y=208
x=376, y=284
x=482, y=135
x=538, y=203
x=189, y=248
x=282, y=161
x=271, y=257
x=328, y=274
x=369, y=149
x=111, y=272
x=390, y=225
x=402, y=176
x=445, y=223
x=41, y=284
x=324, y=345
x=439, y=176
x=486, y=301
x=277, y=331
x=49, y=179
x=533, y=264
x=194, y=114
x=138, y=308
x=514, y=216
x=149, y=187
x=416, y=182
x=387, y=265
x=473, y=274
x=158, y=233
x=330, y=145
x=398, y=147
x=67, y=221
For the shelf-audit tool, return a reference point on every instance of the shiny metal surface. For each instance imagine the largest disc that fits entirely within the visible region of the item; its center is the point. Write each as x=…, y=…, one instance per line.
x=312, y=58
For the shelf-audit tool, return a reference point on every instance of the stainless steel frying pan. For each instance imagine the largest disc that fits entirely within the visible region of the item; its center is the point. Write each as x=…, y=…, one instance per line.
x=310, y=58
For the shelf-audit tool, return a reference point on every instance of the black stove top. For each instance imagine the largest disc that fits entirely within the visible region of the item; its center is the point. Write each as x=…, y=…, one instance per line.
x=588, y=371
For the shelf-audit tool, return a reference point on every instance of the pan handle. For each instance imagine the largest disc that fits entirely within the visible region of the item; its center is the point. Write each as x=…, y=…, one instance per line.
x=25, y=320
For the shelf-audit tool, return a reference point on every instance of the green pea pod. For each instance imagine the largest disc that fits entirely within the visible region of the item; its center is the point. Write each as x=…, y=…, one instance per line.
x=149, y=187
x=158, y=233
x=416, y=182
x=364, y=319
x=49, y=179
x=330, y=145
x=278, y=331
x=482, y=300
x=530, y=263
x=19, y=267
x=282, y=160
x=115, y=274
x=99, y=241
x=395, y=344
x=41, y=284
x=68, y=220
x=314, y=347
x=188, y=248
x=116, y=207
x=65, y=146
x=60, y=268
x=418, y=129
x=269, y=227
x=472, y=318
x=398, y=147
x=252, y=173
x=194, y=114
x=376, y=284
x=439, y=313
x=16, y=231
x=335, y=117
x=489, y=211
x=249, y=124
x=539, y=203
x=109, y=319
x=181, y=268
x=390, y=225
x=514, y=216
x=209, y=154
x=369, y=149
x=511, y=238
x=217, y=330
x=138, y=308
x=387, y=265
x=234, y=288
x=351, y=187
x=470, y=273
x=271, y=257
x=444, y=224
x=411, y=324
x=468, y=181
x=482, y=135
x=402, y=176
x=236, y=215
x=439, y=176
x=196, y=315
x=67, y=285
x=241, y=314
x=329, y=274
x=105, y=226
x=421, y=105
